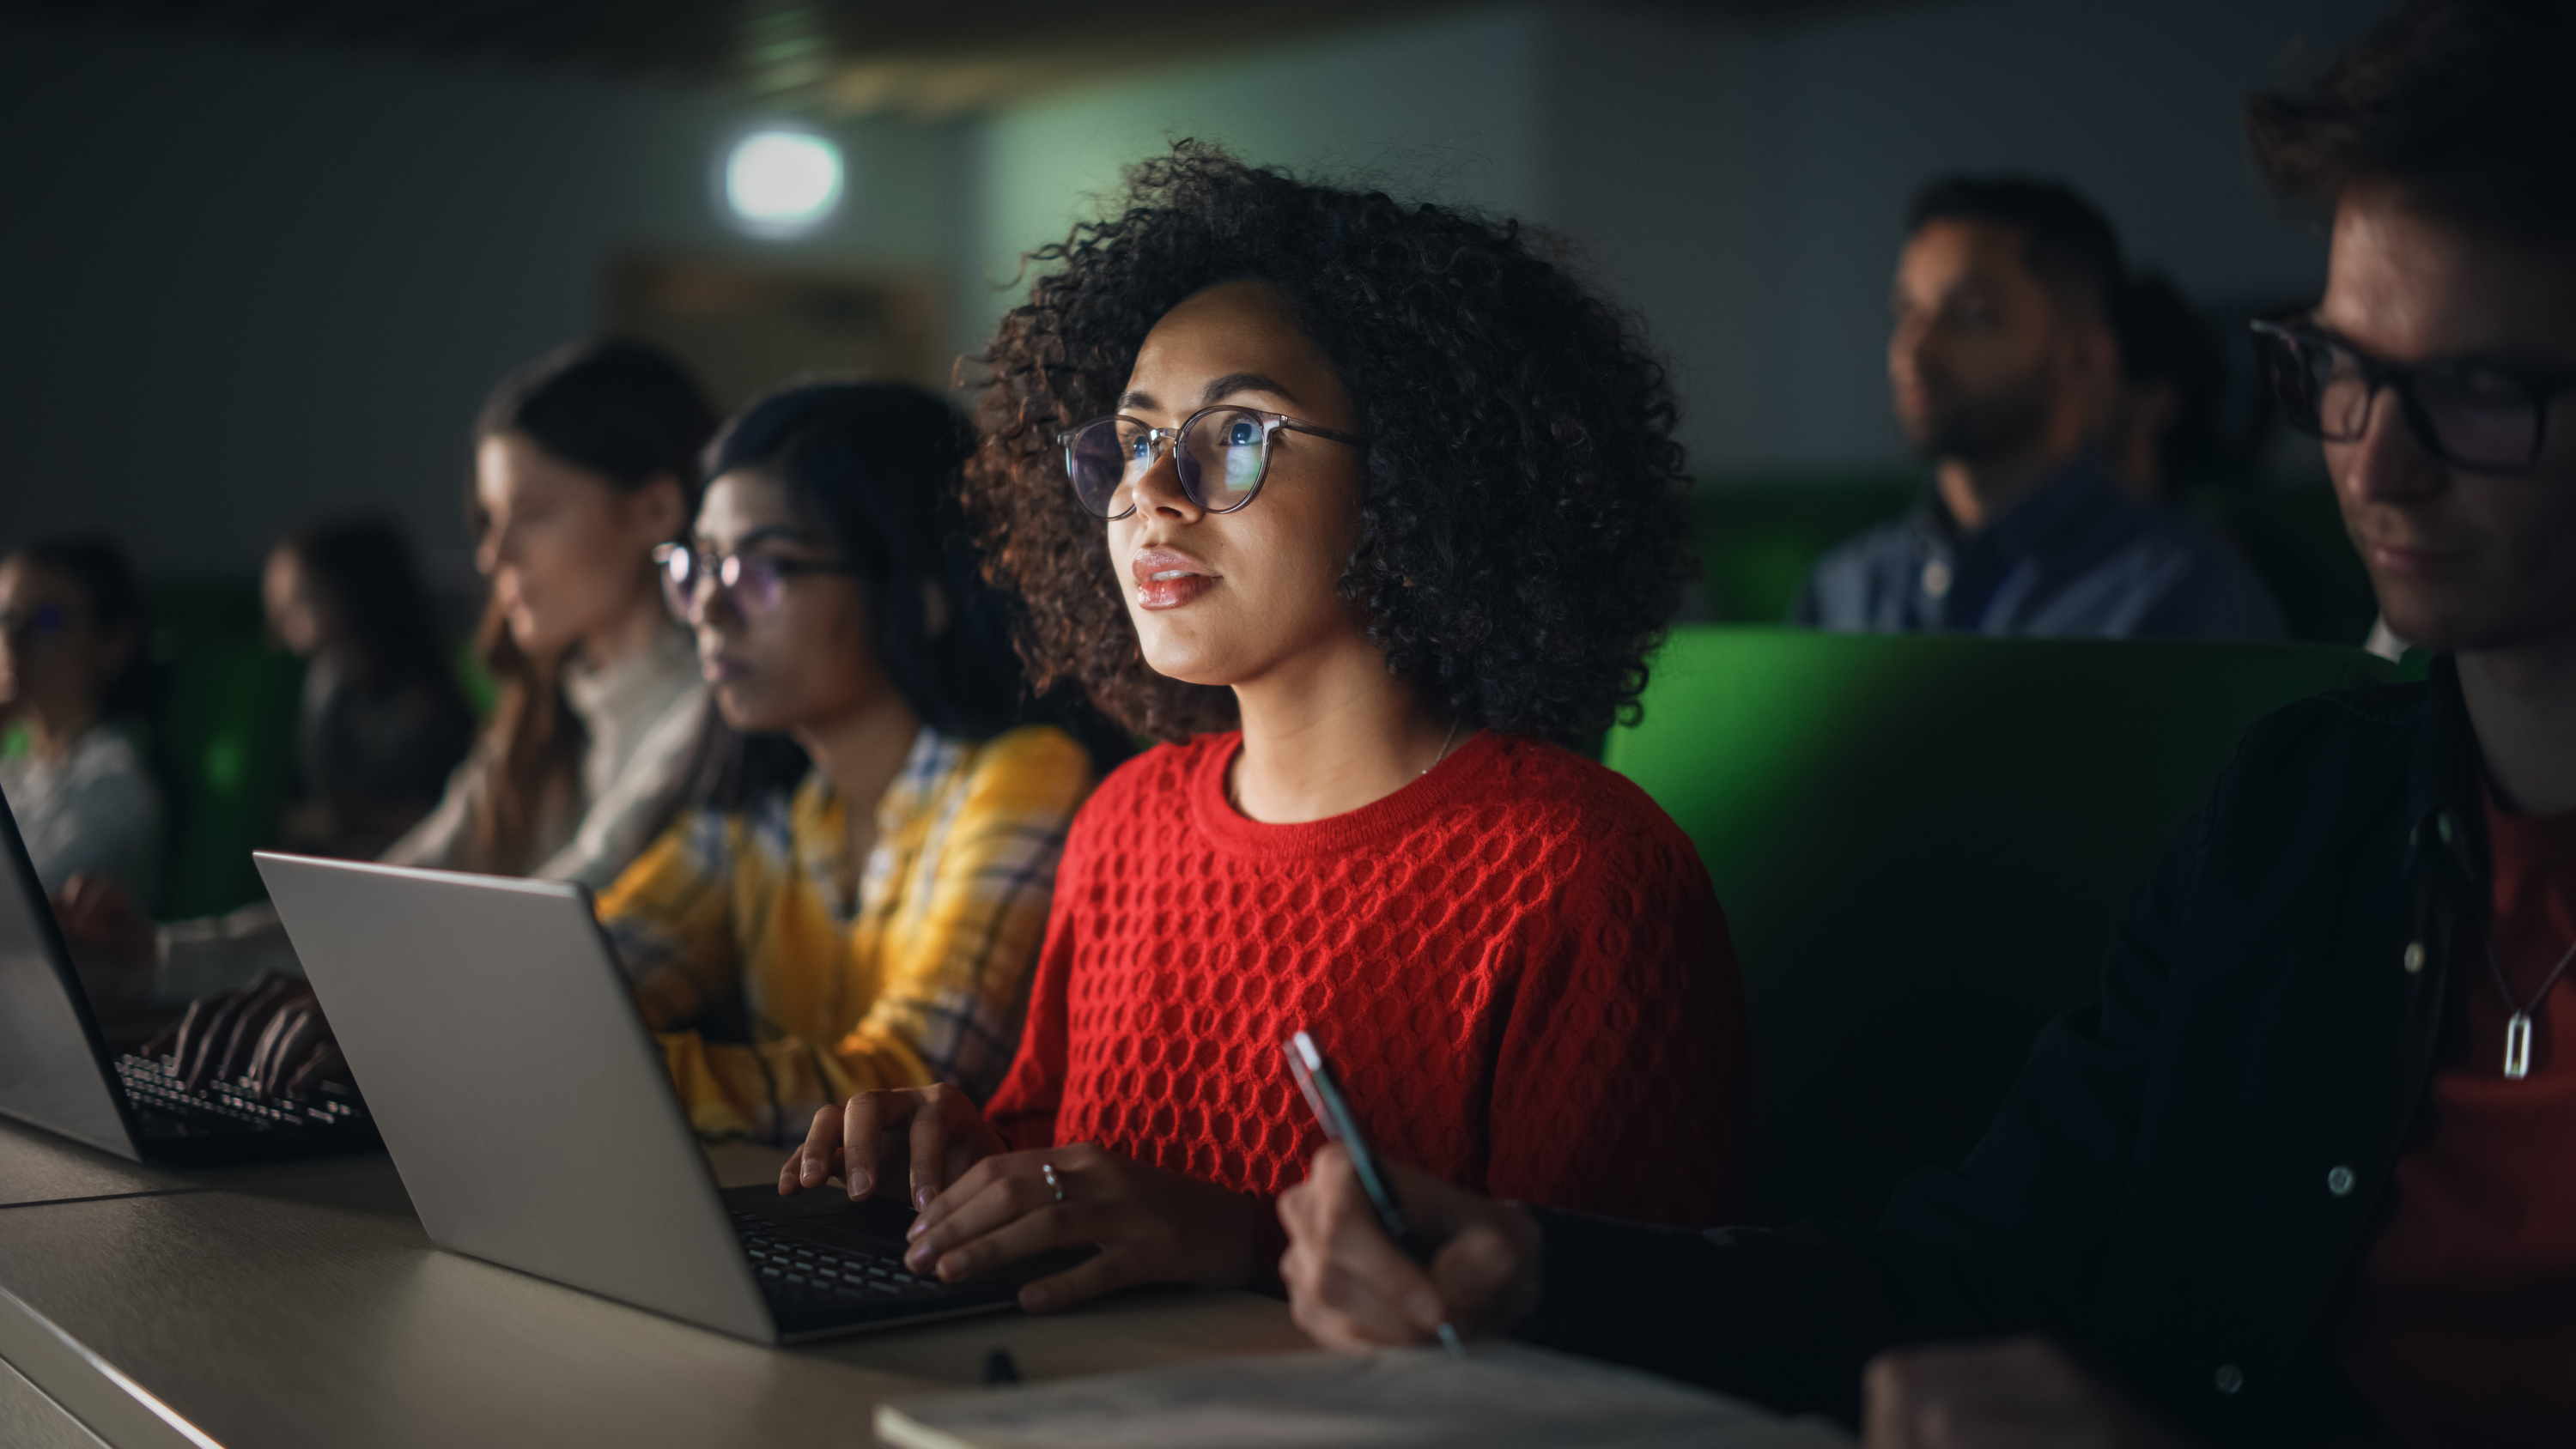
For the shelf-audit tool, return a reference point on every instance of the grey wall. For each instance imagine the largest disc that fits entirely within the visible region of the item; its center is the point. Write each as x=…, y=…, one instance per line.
x=2139, y=105
x=1740, y=189
x=244, y=288
x=1440, y=109
x=1659, y=164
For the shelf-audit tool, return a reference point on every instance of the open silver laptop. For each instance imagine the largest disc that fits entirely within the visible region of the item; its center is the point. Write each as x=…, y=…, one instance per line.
x=58, y=1072
x=534, y=1125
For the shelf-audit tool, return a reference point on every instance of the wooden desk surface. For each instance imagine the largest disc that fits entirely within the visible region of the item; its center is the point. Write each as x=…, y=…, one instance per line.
x=312, y=1311
x=38, y=1167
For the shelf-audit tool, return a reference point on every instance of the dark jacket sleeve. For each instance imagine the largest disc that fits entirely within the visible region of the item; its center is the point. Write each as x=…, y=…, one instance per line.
x=2013, y=1239
x=2022, y=1227
x=1785, y=1317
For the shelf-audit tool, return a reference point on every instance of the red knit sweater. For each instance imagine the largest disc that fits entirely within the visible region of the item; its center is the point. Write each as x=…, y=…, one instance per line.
x=1516, y=963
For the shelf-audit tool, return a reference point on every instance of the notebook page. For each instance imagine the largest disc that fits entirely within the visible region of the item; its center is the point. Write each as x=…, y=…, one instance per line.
x=1503, y=1396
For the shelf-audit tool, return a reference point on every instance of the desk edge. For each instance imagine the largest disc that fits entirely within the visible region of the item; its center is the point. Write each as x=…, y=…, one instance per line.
x=88, y=1387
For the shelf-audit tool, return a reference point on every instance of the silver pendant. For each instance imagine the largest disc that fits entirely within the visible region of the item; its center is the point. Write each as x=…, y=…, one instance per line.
x=2517, y=1047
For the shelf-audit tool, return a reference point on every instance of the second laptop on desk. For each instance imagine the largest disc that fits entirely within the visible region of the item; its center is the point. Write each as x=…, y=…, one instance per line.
x=59, y=1073
x=533, y=1122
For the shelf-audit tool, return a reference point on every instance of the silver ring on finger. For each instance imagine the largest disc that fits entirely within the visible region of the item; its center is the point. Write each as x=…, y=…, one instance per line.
x=1055, y=1183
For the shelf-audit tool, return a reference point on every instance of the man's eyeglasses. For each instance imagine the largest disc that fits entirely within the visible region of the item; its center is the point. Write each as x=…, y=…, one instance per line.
x=2475, y=415
x=1224, y=454
x=753, y=581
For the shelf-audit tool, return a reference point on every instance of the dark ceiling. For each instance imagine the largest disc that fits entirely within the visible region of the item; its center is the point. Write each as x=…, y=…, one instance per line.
x=837, y=55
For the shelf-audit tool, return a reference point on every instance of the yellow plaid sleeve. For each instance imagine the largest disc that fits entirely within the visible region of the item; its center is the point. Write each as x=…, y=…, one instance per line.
x=956, y=951
x=670, y=916
x=926, y=983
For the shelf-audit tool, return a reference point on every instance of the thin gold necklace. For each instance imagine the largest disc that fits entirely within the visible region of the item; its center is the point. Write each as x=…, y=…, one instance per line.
x=1444, y=746
x=1234, y=796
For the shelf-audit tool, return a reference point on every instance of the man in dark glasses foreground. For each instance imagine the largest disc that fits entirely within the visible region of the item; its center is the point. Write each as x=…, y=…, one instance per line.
x=2303, y=1174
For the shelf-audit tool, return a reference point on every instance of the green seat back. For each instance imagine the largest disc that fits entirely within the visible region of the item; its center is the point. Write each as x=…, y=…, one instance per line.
x=226, y=738
x=1921, y=844
x=1759, y=539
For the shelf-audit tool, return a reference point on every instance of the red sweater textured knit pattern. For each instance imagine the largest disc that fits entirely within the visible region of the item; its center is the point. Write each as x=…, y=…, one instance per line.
x=1516, y=963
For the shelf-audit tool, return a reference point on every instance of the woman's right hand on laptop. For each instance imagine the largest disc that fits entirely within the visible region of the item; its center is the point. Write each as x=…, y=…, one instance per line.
x=270, y=1035
x=937, y=1130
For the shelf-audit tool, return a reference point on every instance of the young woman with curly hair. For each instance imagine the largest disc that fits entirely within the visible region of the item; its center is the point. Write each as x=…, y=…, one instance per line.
x=1368, y=511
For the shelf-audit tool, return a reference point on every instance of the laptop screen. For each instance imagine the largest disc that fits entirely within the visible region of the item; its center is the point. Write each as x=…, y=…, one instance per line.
x=53, y=1070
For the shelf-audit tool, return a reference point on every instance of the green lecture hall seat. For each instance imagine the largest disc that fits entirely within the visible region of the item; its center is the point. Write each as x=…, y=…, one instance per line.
x=224, y=730
x=1921, y=844
x=224, y=734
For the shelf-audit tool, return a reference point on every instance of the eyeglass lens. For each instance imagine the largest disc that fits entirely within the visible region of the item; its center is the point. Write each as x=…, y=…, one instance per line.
x=44, y=621
x=1222, y=459
x=751, y=580
x=2476, y=417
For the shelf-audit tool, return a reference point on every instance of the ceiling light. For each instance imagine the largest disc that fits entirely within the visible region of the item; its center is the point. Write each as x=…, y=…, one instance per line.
x=782, y=183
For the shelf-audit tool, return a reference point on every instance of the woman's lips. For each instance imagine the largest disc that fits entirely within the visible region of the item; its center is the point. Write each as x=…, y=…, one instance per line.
x=1167, y=578
x=720, y=669
x=1171, y=591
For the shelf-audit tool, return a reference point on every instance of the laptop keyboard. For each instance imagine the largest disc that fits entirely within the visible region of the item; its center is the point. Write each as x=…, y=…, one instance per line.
x=228, y=1108
x=794, y=1273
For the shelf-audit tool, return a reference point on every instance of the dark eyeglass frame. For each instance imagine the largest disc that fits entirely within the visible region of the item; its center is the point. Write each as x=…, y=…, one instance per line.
x=1187, y=467
x=682, y=586
x=48, y=620
x=2280, y=343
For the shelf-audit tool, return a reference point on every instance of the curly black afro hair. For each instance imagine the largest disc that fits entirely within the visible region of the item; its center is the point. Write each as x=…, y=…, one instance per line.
x=1523, y=535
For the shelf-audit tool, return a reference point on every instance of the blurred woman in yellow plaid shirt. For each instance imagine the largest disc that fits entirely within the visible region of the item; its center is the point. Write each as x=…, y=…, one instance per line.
x=859, y=899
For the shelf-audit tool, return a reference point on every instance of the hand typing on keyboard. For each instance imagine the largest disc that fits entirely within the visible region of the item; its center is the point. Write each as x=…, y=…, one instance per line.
x=269, y=1036
x=983, y=1206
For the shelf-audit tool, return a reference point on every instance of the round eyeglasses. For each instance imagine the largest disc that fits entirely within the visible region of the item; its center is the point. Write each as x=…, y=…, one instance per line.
x=753, y=581
x=2475, y=415
x=40, y=624
x=1224, y=454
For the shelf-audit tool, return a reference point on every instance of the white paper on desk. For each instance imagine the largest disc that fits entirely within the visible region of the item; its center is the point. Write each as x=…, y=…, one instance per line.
x=1502, y=1396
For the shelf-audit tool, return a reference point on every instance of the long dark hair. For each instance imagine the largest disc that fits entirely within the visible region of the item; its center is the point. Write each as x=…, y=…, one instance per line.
x=877, y=465
x=364, y=571
x=106, y=580
x=631, y=415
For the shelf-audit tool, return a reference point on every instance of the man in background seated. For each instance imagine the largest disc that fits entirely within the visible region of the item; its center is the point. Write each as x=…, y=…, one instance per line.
x=2304, y=1174
x=2007, y=371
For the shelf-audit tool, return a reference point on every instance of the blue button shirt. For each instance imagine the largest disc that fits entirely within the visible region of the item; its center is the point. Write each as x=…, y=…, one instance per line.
x=2075, y=558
